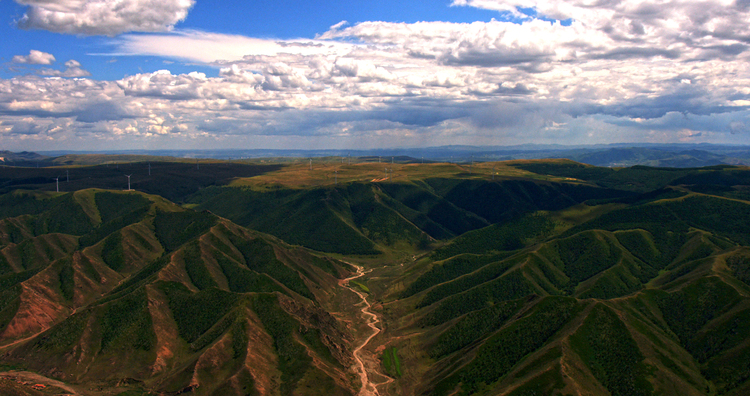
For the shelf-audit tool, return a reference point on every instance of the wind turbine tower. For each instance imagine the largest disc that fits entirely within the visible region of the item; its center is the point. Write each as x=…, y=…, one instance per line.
x=128, y=176
x=57, y=183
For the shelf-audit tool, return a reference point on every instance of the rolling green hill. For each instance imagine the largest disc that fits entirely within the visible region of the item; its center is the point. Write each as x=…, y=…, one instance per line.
x=105, y=287
x=545, y=277
x=367, y=218
x=658, y=289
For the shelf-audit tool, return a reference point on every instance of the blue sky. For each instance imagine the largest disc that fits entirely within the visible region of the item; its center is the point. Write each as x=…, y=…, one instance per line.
x=287, y=19
x=157, y=74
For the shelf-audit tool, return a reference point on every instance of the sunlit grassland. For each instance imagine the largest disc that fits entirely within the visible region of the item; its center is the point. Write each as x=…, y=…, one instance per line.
x=331, y=170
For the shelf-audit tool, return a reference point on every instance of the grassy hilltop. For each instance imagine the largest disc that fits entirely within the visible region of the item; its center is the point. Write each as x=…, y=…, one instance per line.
x=517, y=277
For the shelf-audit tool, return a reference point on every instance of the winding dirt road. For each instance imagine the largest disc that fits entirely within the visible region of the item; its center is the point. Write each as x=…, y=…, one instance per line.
x=369, y=388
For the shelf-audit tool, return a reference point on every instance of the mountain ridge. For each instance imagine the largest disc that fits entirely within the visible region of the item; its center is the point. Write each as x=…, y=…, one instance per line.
x=514, y=278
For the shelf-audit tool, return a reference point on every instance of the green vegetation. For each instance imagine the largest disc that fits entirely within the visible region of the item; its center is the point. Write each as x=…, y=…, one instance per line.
x=357, y=216
x=243, y=280
x=113, y=226
x=448, y=270
x=244, y=382
x=65, y=217
x=312, y=337
x=721, y=337
x=192, y=323
x=10, y=295
x=501, y=237
x=38, y=252
x=616, y=282
x=141, y=276
x=703, y=316
x=196, y=268
x=126, y=323
x=64, y=335
x=641, y=244
x=507, y=347
x=88, y=268
x=740, y=266
x=136, y=392
x=65, y=276
x=720, y=216
x=642, y=288
x=22, y=203
x=487, y=273
x=293, y=358
x=9, y=302
x=608, y=349
x=239, y=339
x=361, y=286
x=547, y=383
x=636, y=178
x=379, y=222
x=176, y=228
x=509, y=287
x=567, y=169
x=114, y=205
x=323, y=263
x=294, y=216
x=174, y=180
x=583, y=255
x=391, y=362
x=216, y=331
x=552, y=355
x=730, y=371
x=112, y=252
x=686, y=311
x=473, y=326
x=10, y=280
x=260, y=257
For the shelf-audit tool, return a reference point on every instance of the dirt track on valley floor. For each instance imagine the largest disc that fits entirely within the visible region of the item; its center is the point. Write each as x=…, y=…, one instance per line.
x=369, y=388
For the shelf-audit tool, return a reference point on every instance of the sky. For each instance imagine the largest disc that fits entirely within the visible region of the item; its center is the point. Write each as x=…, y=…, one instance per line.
x=191, y=74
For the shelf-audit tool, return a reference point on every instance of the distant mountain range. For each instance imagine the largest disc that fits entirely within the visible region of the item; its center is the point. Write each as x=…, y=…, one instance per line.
x=613, y=155
x=7, y=157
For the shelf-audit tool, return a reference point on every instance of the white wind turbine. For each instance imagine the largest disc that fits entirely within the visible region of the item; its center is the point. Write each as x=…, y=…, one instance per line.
x=128, y=176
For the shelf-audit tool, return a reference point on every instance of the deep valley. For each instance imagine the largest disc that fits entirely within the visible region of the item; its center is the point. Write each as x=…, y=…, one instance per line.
x=527, y=277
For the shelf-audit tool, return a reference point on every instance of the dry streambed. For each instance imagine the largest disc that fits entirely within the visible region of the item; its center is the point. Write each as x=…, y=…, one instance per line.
x=369, y=388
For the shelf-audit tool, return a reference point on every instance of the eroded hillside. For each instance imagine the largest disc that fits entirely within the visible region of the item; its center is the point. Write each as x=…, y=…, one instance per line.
x=121, y=287
x=516, y=278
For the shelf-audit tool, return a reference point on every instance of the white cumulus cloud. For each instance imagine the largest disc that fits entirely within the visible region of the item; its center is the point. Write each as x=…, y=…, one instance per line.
x=619, y=71
x=72, y=69
x=103, y=17
x=35, y=58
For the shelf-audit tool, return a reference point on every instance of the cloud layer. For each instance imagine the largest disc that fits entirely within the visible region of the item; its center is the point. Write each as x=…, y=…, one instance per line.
x=103, y=17
x=614, y=71
x=35, y=58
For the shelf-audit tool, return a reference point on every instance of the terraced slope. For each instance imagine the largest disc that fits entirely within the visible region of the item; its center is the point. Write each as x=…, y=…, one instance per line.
x=125, y=288
x=369, y=218
x=645, y=298
x=556, y=278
